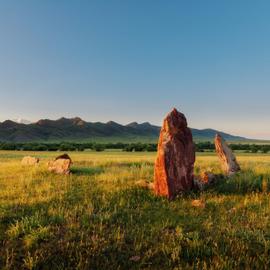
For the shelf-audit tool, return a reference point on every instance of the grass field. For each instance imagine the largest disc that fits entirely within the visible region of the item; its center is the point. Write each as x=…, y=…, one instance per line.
x=97, y=218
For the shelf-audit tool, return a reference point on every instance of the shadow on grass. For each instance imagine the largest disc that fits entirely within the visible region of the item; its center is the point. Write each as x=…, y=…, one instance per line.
x=86, y=170
x=136, y=164
x=129, y=164
x=78, y=236
x=241, y=183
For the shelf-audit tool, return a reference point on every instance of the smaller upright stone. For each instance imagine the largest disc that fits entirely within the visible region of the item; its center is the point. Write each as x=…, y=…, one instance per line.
x=30, y=161
x=60, y=165
x=226, y=156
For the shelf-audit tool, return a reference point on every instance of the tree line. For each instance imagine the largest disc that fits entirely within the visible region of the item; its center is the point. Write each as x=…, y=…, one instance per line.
x=128, y=147
x=70, y=146
x=247, y=148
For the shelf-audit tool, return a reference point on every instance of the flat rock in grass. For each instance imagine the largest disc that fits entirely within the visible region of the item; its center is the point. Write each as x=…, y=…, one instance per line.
x=29, y=161
x=135, y=258
x=175, y=158
x=151, y=186
x=60, y=165
x=144, y=184
x=226, y=156
x=206, y=179
x=198, y=203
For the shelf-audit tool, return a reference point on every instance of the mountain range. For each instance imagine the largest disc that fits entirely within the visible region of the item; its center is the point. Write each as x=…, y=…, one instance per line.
x=76, y=129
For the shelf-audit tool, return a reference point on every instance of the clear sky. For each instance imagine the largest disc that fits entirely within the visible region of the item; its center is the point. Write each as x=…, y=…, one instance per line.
x=135, y=60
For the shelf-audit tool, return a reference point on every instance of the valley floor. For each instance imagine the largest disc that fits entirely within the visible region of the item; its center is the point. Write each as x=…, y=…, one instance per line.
x=97, y=218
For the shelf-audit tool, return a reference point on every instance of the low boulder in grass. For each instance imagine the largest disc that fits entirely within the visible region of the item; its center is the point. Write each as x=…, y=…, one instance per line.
x=144, y=184
x=60, y=165
x=29, y=161
x=198, y=203
x=203, y=180
x=206, y=179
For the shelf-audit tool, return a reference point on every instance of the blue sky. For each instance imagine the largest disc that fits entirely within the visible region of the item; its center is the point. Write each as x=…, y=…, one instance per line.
x=135, y=60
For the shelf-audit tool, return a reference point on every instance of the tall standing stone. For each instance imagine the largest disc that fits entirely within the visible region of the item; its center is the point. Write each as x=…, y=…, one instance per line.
x=226, y=156
x=175, y=158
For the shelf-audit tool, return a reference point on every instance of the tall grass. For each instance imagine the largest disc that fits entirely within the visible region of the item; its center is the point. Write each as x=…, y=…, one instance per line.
x=98, y=218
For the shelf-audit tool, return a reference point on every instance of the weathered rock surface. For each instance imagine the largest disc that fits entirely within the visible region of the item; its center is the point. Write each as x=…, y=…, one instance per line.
x=204, y=180
x=207, y=177
x=29, y=161
x=226, y=156
x=60, y=165
x=175, y=158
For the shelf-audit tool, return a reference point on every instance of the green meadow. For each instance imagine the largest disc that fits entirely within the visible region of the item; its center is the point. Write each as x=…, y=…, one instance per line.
x=98, y=218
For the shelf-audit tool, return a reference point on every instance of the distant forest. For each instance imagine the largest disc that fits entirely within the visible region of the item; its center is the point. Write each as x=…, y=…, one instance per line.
x=132, y=147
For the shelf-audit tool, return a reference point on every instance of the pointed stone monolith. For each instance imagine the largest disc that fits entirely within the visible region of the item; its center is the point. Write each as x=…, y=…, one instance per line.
x=175, y=158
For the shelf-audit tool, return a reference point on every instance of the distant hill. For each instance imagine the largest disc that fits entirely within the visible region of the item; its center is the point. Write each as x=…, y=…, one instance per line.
x=76, y=129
